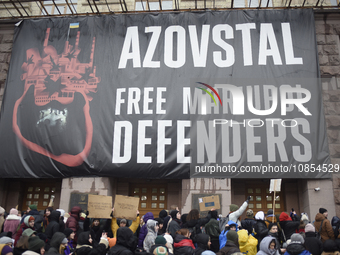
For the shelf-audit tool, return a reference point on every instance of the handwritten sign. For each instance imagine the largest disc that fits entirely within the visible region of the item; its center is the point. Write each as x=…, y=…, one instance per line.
x=99, y=206
x=126, y=207
x=207, y=203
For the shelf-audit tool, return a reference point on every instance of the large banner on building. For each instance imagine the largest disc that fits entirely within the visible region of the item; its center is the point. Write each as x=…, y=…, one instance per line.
x=166, y=95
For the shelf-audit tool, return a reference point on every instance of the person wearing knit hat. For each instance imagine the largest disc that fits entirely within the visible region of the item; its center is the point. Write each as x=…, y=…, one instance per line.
x=231, y=245
x=28, y=223
x=234, y=214
x=270, y=217
x=296, y=246
x=160, y=251
x=36, y=245
x=174, y=224
x=29, y=232
x=249, y=222
x=323, y=225
x=12, y=222
x=33, y=207
x=312, y=243
x=69, y=233
x=160, y=241
x=169, y=243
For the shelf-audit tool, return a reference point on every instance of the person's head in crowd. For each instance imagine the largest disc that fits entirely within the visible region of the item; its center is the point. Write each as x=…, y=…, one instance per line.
x=270, y=212
x=203, y=241
x=273, y=228
x=184, y=232
x=232, y=236
x=33, y=207
x=214, y=214
x=272, y=245
x=168, y=238
x=297, y=239
x=36, y=244
x=122, y=223
x=259, y=215
x=59, y=242
x=95, y=223
x=330, y=246
x=207, y=252
x=249, y=214
x=13, y=211
x=125, y=238
x=7, y=250
x=323, y=211
x=184, y=218
x=6, y=240
x=29, y=232
x=69, y=233
x=29, y=221
x=62, y=212
x=175, y=215
x=48, y=211
x=160, y=240
x=22, y=242
x=194, y=214
x=85, y=238
x=163, y=214
x=160, y=222
x=304, y=218
x=233, y=208
x=160, y=251
x=309, y=228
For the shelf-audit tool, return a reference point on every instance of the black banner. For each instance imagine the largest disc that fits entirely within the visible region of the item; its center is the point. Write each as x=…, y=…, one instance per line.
x=211, y=94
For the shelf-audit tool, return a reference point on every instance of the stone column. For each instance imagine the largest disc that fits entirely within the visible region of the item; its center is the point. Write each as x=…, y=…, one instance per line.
x=206, y=186
x=94, y=185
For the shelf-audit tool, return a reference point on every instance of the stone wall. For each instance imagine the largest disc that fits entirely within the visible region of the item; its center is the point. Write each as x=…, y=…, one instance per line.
x=327, y=34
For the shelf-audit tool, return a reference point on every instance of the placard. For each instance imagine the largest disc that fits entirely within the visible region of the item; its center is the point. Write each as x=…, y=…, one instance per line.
x=99, y=206
x=207, y=203
x=126, y=207
x=79, y=199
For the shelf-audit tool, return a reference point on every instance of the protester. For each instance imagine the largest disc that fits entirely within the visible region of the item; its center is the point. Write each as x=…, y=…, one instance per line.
x=28, y=223
x=268, y=246
x=150, y=238
x=182, y=242
x=86, y=246
x=296, y=246
x=260, y=227
x=247, y=243
x=144, y=230
x=323, y=225
x=203, y=243
x=160, y=225
x=194, y=222
x=169, y=243
x=35, y=246
x=47, y=218
x=213, y=230
x=249, y=222
x=231, y=245
x=175, y=223
x=38, y=218
x=58, y=243
x=123, y=223
x=6, y=245
x=22, y=245
x=126, y=243
x=73, y=221
x=52, y=226
x=270, y=217
x=12, y=222
x=160, y=241
x=69, y=233
x=223, y=236
x=312, y=243
x=330, y=248
x=288, y=226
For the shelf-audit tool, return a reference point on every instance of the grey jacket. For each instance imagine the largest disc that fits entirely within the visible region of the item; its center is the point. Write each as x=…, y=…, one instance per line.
x=151, y=236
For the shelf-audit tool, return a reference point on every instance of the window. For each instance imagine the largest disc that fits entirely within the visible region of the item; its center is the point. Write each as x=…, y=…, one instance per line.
x=252, y=3
x=39, y=194
x=62, y=6
x=154, y=5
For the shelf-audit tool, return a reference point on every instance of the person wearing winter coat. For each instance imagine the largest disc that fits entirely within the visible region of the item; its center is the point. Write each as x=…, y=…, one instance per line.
x=12, y=222
x=183, y=245
x=150, y=238
x=249, y=222
x=126, y=243
x=270, y=217
x=268, y=246
x=231, y=245
x=326, y=228
x=194, y=222
x=296, y=246
x=288, y=226
x=38, y=218
x=58, y=243
x=247, y=243
x=86, y=246
x=73, y=221
x=312, y=243
x=203, y=243
x=163, y=215
x=47, y=218
x=143, y=231
x=122, y=223
x=175, y=223
x=28, y=223
x=69, y=233
x=336, y=226
x=234, y=214
x=53, y=225
x=6, y=249
x=261, y=229
x=22, y=244
x=330, y=248
x=213, y=230
x=223, y=236
x=35, y=246
x=169, y=243
x=160, y=241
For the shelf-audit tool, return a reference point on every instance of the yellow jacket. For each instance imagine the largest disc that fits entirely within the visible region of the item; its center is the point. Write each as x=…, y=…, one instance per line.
x=114, y=226
x=247, y=243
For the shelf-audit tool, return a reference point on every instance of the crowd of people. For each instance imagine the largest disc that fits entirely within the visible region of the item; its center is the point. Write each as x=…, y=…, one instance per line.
x=74, y=233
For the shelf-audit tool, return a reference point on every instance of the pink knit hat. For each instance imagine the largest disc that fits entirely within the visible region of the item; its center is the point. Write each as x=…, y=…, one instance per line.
x=13, y=211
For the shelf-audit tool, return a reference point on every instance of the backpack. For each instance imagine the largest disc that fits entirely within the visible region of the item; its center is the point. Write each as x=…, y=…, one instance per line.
x=223, y=238
x=318, y=235
x=223, y=222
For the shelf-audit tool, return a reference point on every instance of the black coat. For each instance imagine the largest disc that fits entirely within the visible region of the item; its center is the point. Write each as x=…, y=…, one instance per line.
x=289, y=228
x=202, y=243
x=228, y=249
x=248, y=224
x=85, y=248
x=126, y=242
x=53, y=226
x=182, y=245
x=261, y=230
x=313, y=244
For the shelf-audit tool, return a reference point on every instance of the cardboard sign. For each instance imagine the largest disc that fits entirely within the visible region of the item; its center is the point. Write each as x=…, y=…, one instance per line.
x=126, y=207
x=275, y=185
x=99, y=206
x=207, y=203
